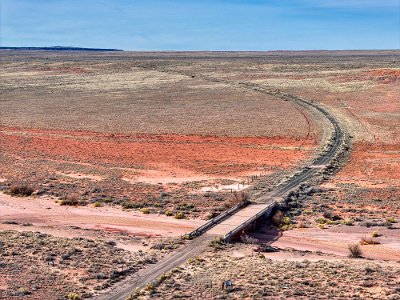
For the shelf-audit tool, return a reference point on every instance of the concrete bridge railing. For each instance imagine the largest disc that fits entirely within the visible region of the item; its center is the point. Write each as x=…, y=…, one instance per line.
x=227, y=213
x=266, y=212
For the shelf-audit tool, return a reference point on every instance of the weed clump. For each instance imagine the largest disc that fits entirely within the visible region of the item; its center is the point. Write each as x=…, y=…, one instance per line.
x=368, y=241
x=179, y=215
x=145, y=210
x=71, y=200
x=355, y=251
x=348, y=222
x=73, y=296
x=21, y=191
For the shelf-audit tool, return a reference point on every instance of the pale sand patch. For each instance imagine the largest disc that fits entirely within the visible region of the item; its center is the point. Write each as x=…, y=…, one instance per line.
x=336, y=240
x=44, y=212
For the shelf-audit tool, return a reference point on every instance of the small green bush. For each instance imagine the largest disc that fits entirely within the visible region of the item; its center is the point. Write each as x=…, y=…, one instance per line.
x=168, y=213
x=286, y=221
x=150, y=287
x=348, y=222
x=127, y=205
x=391, y=220
x=145, y=210
x=97, y=204
x=179, y=215
x=73, y=296
x=321, y=221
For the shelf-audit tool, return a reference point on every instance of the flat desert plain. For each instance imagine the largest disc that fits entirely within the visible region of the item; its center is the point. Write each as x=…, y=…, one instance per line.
x=122, y=153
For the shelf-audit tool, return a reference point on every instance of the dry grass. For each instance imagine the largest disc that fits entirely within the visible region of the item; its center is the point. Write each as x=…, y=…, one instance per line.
x=21, y=191
x=368, y=241
x=355, y=251
x=47, y=267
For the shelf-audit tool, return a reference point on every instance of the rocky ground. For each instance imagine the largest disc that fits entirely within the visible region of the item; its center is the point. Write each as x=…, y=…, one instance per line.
x=287, y=274
x=40, y=266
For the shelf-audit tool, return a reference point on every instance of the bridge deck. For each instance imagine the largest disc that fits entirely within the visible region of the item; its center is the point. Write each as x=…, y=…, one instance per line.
x=237, y=219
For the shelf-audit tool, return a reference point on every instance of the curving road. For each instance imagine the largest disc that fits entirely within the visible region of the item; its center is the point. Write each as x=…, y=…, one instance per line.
x=199, y=244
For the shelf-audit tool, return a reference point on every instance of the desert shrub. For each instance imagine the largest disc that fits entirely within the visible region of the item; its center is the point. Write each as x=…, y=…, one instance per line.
x=108, y=200
x=217, y=243
x=321, y=221
x=150, y=287
x=179, y=215
x=330, y=216
x=348, y=222
x=127, y=205
x=100, y=276
x=355, y=251
x=168, y=213
x=285, y=224
x=391, y=220
x=162, y=278
x=187, y=237
x=286, y=221
x=246, y=239
x=368, y=241
x=70, y=200
x=158, y=246
x=185, y=207
x=212, y=215
x=301, y=224
x=97, y=204
x=145, y=210
x=111, y=243
x=375, y=234
x=73, y=296
x=21, y=190
x=327, y=214
x=240, y=197
x=330, y=222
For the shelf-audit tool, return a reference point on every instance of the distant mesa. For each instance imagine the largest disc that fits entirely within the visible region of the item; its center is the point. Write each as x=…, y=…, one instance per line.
x=58, y=48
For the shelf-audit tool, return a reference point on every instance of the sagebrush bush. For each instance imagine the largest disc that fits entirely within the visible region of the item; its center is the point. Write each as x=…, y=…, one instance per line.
x=73, y=296
x=355, y=250
x=368, y=241
x=179, y=215
x=145, y=210
x=348, y=222
x=70, y=200
x=21, y=190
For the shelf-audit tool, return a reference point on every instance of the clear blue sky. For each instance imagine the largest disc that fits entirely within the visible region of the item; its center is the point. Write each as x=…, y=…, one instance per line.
x=202, y=25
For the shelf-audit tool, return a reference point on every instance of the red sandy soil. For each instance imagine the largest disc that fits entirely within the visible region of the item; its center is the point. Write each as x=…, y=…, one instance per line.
x=204, y=155
x=374, y=162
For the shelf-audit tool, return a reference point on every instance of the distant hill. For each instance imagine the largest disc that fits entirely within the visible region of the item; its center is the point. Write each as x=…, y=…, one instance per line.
x=58, y=48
